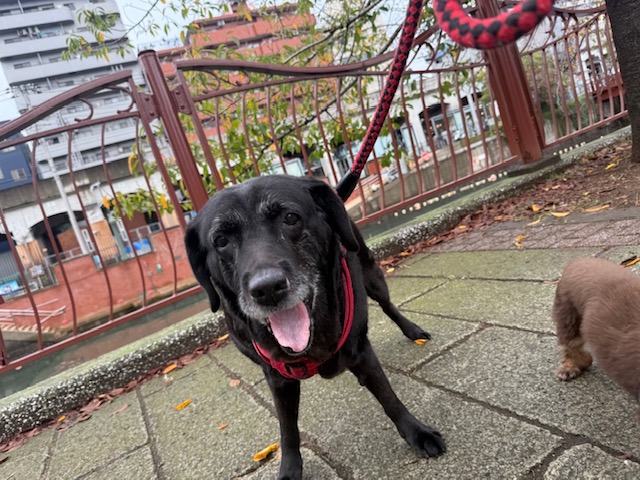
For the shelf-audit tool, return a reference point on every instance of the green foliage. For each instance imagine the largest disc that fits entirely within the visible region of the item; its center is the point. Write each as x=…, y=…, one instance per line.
x=346, y=31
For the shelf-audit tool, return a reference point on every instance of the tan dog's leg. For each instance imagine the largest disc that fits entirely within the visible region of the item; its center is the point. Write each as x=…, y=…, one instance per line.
x=567, y=319
x=574, y=360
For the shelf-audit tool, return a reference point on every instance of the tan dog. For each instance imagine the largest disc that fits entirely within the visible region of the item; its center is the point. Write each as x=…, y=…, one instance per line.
x=598, y=303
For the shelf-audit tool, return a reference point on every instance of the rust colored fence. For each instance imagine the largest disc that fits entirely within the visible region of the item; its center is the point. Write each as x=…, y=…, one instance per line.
x=91, y=234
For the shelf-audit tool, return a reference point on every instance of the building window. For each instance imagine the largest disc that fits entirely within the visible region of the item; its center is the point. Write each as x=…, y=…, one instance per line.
x=70, y=6
x=65, y=83
x=18, y=174
x=21, y=65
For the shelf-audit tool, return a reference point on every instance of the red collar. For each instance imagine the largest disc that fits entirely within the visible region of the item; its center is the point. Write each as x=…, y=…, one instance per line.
x=304, y=367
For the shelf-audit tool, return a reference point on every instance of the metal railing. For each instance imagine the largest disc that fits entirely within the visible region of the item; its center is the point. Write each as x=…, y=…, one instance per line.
x=92, y=246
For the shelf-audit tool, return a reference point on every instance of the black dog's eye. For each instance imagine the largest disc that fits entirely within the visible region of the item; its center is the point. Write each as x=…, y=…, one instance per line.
x=291, y=218
x=220, y=241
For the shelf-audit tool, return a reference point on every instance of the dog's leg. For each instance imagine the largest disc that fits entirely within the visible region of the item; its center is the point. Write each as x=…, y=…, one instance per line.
x=425, y=441
x=567, y=319
x=286, y=397
x=378, y=290
x=575, y=360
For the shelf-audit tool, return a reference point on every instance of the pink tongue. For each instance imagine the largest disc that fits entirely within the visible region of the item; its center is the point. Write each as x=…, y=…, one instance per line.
x=292, y=327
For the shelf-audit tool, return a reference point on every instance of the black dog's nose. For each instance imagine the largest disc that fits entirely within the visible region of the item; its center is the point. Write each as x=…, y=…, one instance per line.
x=268, y=286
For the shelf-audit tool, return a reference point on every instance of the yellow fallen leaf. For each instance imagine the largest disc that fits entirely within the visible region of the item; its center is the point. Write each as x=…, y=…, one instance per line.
x=61, y=419
x=518, y=241
x=462, y=227
x=630, y=261
x=184, y=404
x=610, y=166
x=421, y=341
x=596, y=209
x=559, y=214
x=223, y=337
x=222, y=426
x=169, y=368
x=262, y=454
x=534, y=223
x=391, y=270
x=404, y=254
x=586, y=194
x=535, y=208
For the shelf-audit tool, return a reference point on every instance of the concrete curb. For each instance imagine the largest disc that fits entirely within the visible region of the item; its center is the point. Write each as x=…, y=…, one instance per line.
x=73, y=388
x=410, y=235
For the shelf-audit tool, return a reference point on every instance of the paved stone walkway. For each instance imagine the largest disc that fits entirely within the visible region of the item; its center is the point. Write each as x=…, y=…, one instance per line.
x=486, y=381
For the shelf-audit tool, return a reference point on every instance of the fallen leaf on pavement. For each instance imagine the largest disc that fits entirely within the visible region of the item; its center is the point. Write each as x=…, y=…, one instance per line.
x=421, y=341
x=535, y=223
x=183, y=404
x=262, y=454
x=518, y=241
x=222, y=338
x=559, y=214
x=61, y=419
x=611, y=165
x=535, y=208
x=391, y=270
x=120, y=410
x=222, y=426
x=169, y=368
x=234, y=382
x=630, y=261
x=596, y=209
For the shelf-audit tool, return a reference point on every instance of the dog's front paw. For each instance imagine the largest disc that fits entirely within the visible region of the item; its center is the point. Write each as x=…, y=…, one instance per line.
x=416, y=333
x=568, y=372
x=426, y=441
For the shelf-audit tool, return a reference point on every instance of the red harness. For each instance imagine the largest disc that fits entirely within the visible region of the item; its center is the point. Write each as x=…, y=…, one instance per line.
x=305, y=367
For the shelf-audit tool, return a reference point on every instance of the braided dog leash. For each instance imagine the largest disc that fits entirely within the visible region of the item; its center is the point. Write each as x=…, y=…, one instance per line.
x=471, y=32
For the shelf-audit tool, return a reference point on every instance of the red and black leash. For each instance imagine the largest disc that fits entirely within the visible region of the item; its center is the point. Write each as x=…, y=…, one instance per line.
x=471, y=32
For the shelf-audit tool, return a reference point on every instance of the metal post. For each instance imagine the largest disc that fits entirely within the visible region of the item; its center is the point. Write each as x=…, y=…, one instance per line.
x=168, y=112
x=510, y=88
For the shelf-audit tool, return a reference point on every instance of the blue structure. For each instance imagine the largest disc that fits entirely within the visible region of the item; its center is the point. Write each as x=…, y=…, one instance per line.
x=15, y=166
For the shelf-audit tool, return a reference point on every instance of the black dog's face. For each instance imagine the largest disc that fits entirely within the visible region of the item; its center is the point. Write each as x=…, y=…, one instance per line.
x=266, y=245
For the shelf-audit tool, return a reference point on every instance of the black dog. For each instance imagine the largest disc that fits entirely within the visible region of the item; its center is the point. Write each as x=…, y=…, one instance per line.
x=292, y=273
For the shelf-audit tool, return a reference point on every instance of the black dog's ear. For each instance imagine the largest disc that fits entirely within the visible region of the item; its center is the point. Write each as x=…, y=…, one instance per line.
x=198, y=260
x=327, y=199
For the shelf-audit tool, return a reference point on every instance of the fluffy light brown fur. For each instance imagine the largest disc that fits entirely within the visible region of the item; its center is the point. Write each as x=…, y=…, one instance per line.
x=597, y=303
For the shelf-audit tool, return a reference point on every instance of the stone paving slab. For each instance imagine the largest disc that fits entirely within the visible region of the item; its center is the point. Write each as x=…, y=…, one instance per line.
x=591, y=463
x=519, y=304
x=99, y=441
x=396, y=350
x=349, y=424
x=190, y=443
x=29, y=460
x=515, y=370
x=403, y=289
x=511, y=264
x=159, y=383
x=138, y=465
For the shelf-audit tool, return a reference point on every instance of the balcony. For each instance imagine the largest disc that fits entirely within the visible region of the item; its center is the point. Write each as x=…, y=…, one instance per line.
x=51, y=70
x=35, y=18
x=31, y=45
